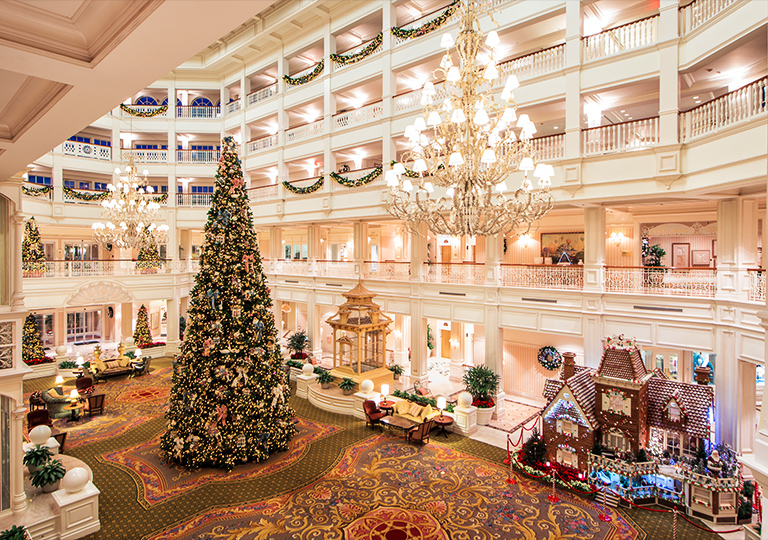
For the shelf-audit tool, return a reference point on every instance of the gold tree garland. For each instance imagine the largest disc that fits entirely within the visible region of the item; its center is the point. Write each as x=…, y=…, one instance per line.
x=311, y=76
x=143, y=114
x=304, y=190
x=347, y=59
x=363, y=180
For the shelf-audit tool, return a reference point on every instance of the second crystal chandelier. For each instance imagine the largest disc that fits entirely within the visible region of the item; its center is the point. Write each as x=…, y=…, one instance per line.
x=463, y=148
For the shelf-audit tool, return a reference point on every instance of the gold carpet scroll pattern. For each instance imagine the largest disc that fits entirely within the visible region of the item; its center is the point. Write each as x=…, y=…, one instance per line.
x=383, y=489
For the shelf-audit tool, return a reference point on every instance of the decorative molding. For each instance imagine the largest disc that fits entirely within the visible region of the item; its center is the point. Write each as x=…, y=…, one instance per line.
x=102, y=292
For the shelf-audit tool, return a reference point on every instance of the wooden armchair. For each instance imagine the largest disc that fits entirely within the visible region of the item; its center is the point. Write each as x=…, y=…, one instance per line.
x=372, y=412
x=420, y=433
x=94, y=404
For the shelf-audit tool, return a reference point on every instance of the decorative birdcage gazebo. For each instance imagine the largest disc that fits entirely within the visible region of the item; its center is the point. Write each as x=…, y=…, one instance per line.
x=360, y=338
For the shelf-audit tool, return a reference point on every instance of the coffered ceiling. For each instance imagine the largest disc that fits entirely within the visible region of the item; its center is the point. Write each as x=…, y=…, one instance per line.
x=65, y=63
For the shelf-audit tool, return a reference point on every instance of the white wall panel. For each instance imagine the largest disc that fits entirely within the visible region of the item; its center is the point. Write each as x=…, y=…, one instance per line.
x=561, y=324
x=640, y=330
x=752, y=348
x=695, y=339
x=526, y=320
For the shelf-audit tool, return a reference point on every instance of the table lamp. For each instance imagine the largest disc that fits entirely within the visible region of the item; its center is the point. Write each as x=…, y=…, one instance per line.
x=137, y=354
x=74, y=397
x=441, y=405
x=58, y=382
x=384, y=391
x=80, y=361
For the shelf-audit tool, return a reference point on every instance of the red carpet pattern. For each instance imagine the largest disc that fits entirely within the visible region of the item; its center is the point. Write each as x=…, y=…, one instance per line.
x=384, y=489
x=157, y=481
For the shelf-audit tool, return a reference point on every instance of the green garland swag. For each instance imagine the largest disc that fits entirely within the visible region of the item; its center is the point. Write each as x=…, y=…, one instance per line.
x=160, y=198
x=409, y=173
x=367, y=179
x=311, y=76
x=347, y=59
x=304, y=190
x=426, y=28
x=143, y=114
x=89, y=197
x=550, y=358
x=36, y=192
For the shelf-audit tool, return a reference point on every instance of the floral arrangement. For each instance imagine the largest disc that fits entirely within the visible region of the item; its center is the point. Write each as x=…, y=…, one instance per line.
x=550, y=358
x=483, y=403
x=84, y=196
x=620, y=342
x=421, y=400
x=426, y=28
x=304, y=190
x=347, y=59
x=143, y=114
x=36, y=192
x=363, y=180
x=311, y=76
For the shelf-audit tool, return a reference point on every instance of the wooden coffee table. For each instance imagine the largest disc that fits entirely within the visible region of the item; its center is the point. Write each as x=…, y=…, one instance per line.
x=398, y=422
x=74, y=411
x=443, y=422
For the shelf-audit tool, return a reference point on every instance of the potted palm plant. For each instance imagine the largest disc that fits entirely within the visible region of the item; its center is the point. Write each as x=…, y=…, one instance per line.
x=36, y=457
x=396, y=370
x=325, y=379
x=49, y=476
x=482, y=383
x=347, y=385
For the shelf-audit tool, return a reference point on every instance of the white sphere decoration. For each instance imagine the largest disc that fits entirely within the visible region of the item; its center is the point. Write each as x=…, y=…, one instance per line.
x=61, y=350
x=129, y=341
x=40, y=435
x=307, y=369
x=75, y=479
x=465, y=400
x=366, y=387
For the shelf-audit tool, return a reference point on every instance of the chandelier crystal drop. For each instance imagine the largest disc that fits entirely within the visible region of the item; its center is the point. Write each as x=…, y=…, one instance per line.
x=131, y=217
x=463, y=148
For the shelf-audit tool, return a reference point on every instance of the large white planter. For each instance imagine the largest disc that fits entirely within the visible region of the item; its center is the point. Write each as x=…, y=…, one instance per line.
x=154, y=352
x=66, y=373
x=484, y=416
x=41, y=370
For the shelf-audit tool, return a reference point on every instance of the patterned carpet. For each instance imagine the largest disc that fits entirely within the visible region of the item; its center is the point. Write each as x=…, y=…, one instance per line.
x=340, y=479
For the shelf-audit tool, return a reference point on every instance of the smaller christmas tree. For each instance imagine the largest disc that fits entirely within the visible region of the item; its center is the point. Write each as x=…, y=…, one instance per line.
x=149, y=257
x=142, y=336
x=32, y=253
x=32, y=345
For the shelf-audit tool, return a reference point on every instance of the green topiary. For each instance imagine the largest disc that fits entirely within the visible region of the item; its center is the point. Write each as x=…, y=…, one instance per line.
x=347, y=383
x=14, y=533
x=482, y=383
x=642, y=456
x=534, y=449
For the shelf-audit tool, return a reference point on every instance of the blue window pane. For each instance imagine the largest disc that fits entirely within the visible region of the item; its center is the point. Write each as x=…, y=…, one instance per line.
x=202, y=102
x=146, y=100
x=69, y=183
x=84, y=185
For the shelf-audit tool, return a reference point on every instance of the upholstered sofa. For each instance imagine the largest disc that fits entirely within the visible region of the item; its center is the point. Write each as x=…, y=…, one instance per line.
x=56, y=402
x=101, y=369
x=413, y=411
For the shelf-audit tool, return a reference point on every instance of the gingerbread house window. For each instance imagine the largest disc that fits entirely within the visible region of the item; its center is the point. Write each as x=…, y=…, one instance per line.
x=615, y=402
x=568, y=458
x=673, y=443
x=702, y=496
x=727, y=501
x=615, y=439
x=567, y=427
x=674, y=411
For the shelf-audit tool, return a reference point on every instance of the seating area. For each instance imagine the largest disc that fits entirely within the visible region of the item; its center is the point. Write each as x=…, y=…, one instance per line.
x=414, y=419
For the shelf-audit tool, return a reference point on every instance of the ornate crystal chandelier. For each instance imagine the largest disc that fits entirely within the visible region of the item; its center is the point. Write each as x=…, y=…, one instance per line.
x=463, y=148
x=130, y=217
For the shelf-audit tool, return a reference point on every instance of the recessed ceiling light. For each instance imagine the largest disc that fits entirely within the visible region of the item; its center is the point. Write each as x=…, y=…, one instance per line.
x=622, y=110
x=697, y=101
x=630, y=118
x=626, y=114
x=695, y=97
x=555, y=127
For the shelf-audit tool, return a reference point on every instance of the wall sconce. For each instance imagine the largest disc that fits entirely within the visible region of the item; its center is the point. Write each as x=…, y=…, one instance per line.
x=398, y=334
x=525, y=240
x=616, y=238
x=454, y=342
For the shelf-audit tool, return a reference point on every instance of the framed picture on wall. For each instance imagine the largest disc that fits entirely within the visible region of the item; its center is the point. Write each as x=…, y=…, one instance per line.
x=563, y=247
x=681, y=255
x=700, y=257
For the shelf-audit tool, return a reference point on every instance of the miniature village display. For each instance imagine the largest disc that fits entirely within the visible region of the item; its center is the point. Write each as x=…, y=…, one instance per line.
x=635, y=436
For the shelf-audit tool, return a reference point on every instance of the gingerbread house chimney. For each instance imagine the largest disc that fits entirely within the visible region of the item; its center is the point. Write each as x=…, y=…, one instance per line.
x=569, y=365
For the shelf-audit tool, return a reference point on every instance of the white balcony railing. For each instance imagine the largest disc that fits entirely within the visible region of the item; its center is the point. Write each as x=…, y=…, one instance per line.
x=198, y=111
x=265, y=143
x=344, y=269
x=193, y=199
x=198, y=156
x=70, y=197
x=411, y=101
x=262, y=94
x=700, y=12
x=664, y=281
x=93, y=151
x=233, y=106
x=144, y=109
x=756, y=285
x=148, y=156
x=458, y=273
x=104, y=267
x=621, y=39
x=357, y=117
x=533, y=65
x=387, y=271
x=621, y=137
x=424, y=19
x=542, y=276
x=262, y=193
x=307, y=131
x=297, y=267
x=549, y=148
x=740, y=105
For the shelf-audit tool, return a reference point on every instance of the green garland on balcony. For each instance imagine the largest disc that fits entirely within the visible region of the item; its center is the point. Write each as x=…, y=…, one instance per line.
x=311, y=76
x=347, y=59
x=304, y=190
x=409, y=173
x=144, y=114
x=426, y=28
x=160, y=199
x=88, y=197
x=36, y=192
x=367, y=179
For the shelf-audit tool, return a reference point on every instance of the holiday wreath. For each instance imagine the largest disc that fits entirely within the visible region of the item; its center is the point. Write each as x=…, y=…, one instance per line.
x=550, y=358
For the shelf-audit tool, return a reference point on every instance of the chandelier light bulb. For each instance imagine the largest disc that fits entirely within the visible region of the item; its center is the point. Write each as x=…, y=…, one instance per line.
x=540, y=170
x=526, y=164
x=428, y=187
x=407, y=186
x=446, y=41
x=454, y=75
x=491, y=73
x=117, y=170
x=481, y=117
x=149, y=189
x=410, y=132
x=429, y=88
x=450, y=191
x=458, y=116
x=434, y=118
x=509, y=115
x=511, y=136
x=512, y=83
x=544, y=182
x=488, y=156
x=123, y=225
x=145, y=172
x=550, y=172
x=526, y=186
x=420, y=166
x=455, y=160
x=447, y=107
x=493, y=39
x=399, y=168
x=522, y=120
x=110, y=225
x=426, y=99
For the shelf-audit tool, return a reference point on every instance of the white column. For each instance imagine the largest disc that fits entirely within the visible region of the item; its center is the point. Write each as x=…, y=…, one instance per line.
x=418, y=343
x=668, y=71
x=418, y=250
x=494, y=254
x=18, y=495
x=746, y=413
x=172, y=323
x=171, y=113
x=57, y=171
x=494, y=351
x=360, y=248
x=573, y=52
x=313, y=326
x=594, y=248
x=737, y=221
x=456, y=370
x=727, y=384
x=17, y=235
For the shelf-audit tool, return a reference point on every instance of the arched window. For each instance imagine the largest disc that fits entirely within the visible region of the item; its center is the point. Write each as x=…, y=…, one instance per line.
x=202, y=102
x=165, y=101
x=146, y=100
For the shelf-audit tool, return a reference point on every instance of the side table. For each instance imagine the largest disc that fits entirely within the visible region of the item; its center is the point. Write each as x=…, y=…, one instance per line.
x=74, y=411
x=443, y=422
x=387, y=406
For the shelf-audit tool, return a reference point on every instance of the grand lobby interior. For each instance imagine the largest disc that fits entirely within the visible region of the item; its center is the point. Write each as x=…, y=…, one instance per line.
x=651, y=113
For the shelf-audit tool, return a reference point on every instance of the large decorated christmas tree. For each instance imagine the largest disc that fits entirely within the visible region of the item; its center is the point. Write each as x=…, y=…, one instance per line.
x=142, y=336
x=229, y=399
x=32, y=253
x=31, y=344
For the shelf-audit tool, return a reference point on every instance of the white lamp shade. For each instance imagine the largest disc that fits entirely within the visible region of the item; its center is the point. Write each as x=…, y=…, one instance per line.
x=441, y=402
x=481, y=117
x=501, y=187
x=428, y=187
x=407, y=186
x=512, y=83
x=410, y=132
x=455, y=160
x=434, y=118
x=80, y=361
x=550, y=172
x=419, y=124
x=384, y=389
x=138, y=352
x=73, y=394
x=447, y=41
x=420, y=165
x=523, y=120
x=59, y=379
x=488, y=156
x=458, y=116
x=391, y=178
x=493, y=39
x=429, y=88
x=509, y=115
x=399, y=168
x=526, y=164
x=454, y=75
x=450, y=191
x=491, y=73
x=540, y=170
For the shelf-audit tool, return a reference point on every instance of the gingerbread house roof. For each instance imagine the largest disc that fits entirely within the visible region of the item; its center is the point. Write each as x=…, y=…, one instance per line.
x=583, y=388
x=694, y=399
x=622, y=364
